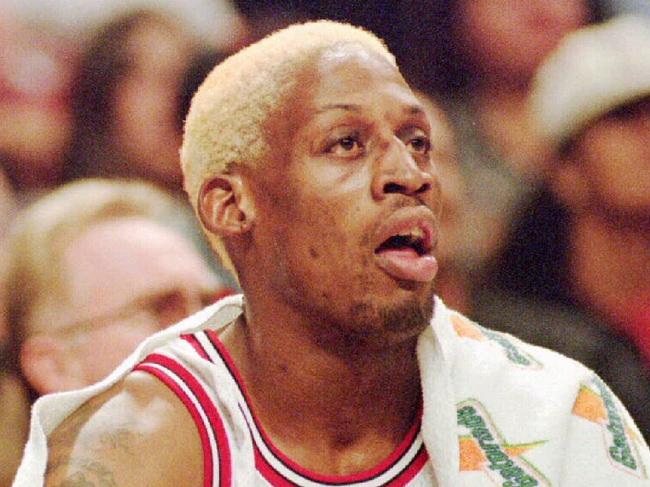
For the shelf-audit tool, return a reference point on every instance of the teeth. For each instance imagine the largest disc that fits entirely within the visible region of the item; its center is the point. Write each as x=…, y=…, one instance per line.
x=414, y=233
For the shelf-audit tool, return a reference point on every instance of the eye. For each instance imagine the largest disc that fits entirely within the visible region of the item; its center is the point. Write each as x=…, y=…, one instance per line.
x=420, y=144
x=347, y=146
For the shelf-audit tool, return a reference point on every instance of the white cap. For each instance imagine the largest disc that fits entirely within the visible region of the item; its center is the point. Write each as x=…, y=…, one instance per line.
x=592, y=71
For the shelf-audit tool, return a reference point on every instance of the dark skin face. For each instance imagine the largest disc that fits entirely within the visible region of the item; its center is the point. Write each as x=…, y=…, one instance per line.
x=351, y=148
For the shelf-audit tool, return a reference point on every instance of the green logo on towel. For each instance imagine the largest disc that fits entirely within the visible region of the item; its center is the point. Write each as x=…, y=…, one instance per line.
x=482, y=448
x=596, y=403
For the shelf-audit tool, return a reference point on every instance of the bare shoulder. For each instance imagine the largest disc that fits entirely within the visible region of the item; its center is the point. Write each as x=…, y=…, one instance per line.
x=136, y=433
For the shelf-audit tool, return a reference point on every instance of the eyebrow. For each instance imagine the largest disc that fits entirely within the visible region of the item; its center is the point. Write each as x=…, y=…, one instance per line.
x=349, y=107
x=415, y=110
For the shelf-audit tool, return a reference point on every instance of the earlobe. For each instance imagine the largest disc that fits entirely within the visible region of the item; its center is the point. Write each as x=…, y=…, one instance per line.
x=224, y=206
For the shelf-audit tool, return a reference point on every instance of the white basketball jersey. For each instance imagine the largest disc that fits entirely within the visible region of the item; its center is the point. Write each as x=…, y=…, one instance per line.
x=199, y=370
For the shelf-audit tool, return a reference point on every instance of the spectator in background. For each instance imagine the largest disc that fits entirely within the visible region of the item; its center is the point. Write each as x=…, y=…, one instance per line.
x=93, y=272
x=36, y=65
x=579, y=258
x=125, y=100
x=486, y=53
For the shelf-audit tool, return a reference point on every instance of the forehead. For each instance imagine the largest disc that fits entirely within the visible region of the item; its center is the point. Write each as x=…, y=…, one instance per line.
x=343, y=79
x=123, y=258
x=355, y=72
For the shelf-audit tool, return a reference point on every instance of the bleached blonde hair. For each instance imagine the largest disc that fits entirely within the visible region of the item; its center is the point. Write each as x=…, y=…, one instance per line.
x=224, y=126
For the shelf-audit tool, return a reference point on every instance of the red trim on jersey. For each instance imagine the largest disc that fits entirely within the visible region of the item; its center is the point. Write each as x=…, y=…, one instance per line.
x=329, y=479
x=402, y=479
x=412, y=470
x=203, y=433
x=192, y=340
x=214, y=418
x=276, y=479
x=271, y=475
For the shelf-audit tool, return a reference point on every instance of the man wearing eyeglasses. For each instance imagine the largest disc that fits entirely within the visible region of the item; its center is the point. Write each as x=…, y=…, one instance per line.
x=93, y=273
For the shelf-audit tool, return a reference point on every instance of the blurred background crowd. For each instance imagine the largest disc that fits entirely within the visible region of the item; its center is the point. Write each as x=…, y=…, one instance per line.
x=546, y=224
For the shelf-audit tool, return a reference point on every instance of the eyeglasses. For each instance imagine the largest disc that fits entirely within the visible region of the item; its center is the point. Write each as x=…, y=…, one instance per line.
x=161, y=309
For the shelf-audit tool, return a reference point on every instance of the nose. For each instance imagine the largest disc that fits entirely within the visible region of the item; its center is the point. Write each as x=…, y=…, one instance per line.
x=399, y=172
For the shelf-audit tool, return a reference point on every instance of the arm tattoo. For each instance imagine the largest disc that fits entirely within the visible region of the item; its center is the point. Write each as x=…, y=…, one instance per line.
x=118, y=440
x=83, y=473
x=77, y=462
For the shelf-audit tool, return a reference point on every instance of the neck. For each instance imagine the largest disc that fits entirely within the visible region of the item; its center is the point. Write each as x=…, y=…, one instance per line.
x=306, y=393
x=611, y=264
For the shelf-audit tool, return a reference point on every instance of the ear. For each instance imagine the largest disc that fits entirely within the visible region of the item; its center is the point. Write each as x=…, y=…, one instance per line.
x=569, y=184
x=47, y=366
x=225, y=205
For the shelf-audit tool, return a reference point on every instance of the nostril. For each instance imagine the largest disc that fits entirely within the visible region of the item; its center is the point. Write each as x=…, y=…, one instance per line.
x=393, y=188
x=423, y=189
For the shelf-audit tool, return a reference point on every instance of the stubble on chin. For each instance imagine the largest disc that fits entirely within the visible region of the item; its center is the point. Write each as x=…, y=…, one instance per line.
x=406, y=319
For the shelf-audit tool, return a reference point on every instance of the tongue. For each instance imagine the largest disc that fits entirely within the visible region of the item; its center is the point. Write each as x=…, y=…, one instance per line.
x=406, y=264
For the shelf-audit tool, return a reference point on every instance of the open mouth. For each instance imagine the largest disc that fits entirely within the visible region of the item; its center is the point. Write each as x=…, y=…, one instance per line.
x=406, y=251
x=414, y=240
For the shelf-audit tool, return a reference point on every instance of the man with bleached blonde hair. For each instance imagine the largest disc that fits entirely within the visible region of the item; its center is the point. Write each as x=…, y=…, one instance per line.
x=226, y=124
x=339, y=366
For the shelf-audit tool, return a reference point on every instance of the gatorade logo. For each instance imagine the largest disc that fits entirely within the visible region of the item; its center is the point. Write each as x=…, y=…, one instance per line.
x=468, y=329
x=596, y=403
x=482, y=448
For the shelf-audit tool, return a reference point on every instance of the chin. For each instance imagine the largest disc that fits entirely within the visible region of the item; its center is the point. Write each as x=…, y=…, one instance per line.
x=399, y=318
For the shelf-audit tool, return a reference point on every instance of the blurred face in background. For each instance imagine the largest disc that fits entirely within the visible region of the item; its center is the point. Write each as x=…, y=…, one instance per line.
x=35, y=121
x=509, y=38
x=145, y=127
x=613, y=155
x=125, y=279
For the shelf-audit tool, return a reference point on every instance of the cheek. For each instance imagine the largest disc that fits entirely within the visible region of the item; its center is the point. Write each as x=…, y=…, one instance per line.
x=326, y=241
x=611, y=156
x=617, y=170
x=334, y=229
x=320, y=219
